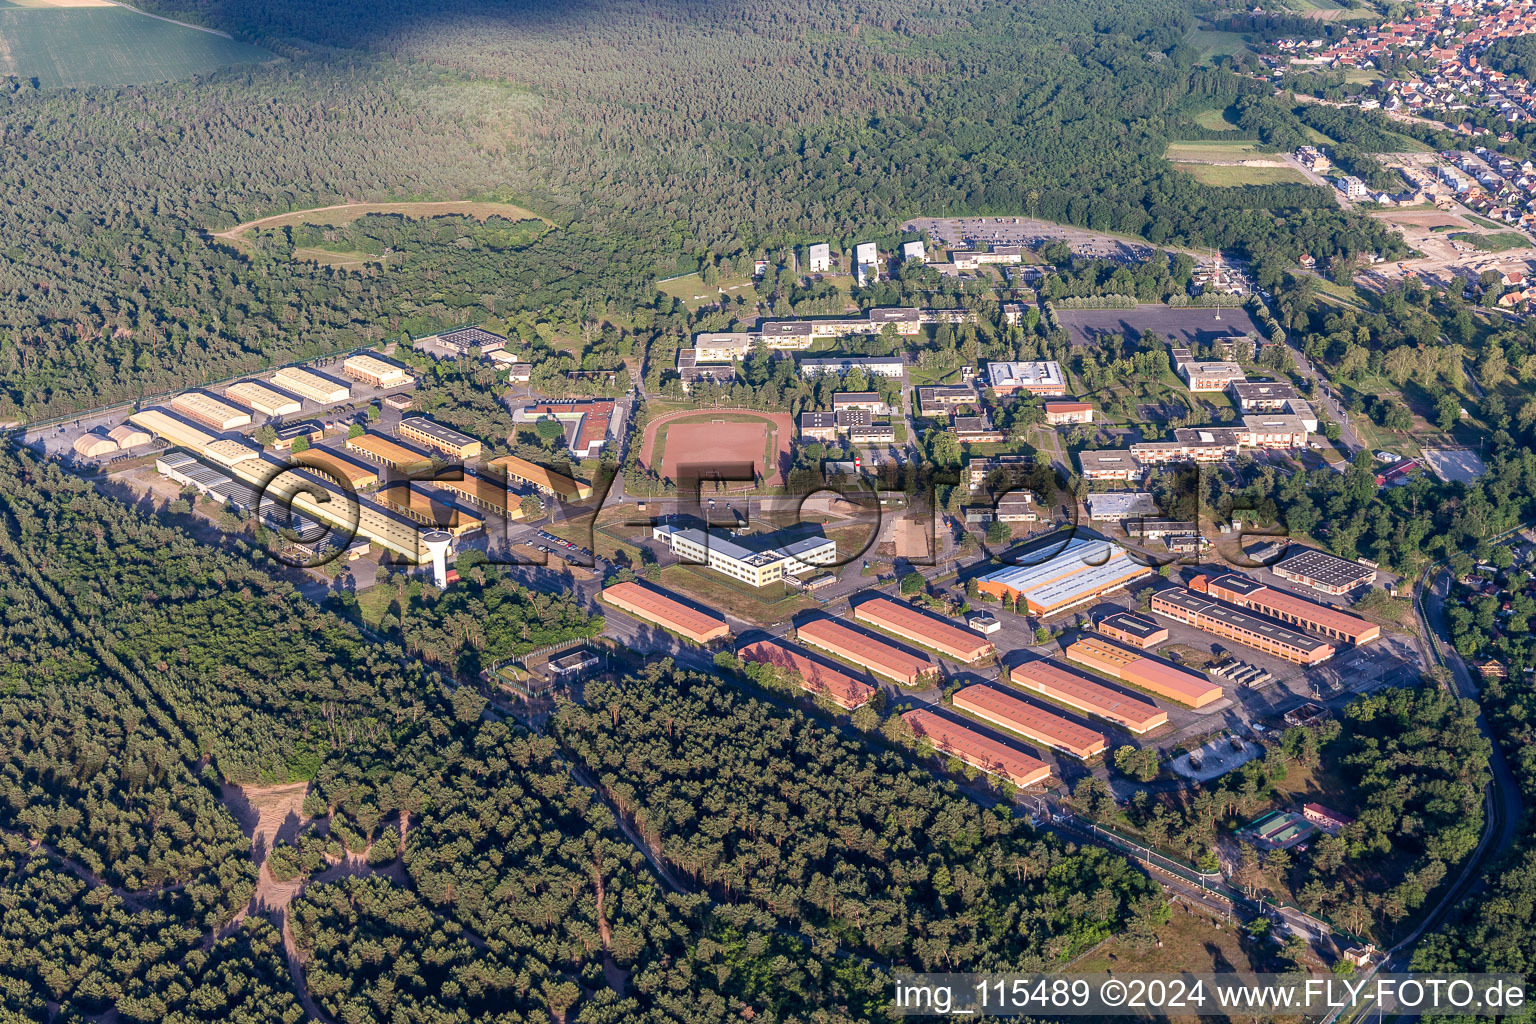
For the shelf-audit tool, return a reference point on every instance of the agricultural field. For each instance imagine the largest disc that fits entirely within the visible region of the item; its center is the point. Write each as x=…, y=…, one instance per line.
x=78, y=46
x=1234, y=175
x=1218, y=151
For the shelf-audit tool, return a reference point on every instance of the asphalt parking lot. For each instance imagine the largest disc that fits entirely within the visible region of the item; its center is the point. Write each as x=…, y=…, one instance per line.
x=1187, y=325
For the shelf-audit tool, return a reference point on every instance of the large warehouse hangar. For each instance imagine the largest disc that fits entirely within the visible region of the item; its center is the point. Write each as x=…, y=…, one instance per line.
x=978, y=751
x=666, y=611
x=1082, y=571
x=1005, y=710
x=936, y=634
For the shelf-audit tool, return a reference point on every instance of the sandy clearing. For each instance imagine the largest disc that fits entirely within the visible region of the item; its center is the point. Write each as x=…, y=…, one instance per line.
x=346, y=213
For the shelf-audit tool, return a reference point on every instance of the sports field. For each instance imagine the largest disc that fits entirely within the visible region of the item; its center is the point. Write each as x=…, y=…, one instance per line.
x=77, y=46
x=707, y=438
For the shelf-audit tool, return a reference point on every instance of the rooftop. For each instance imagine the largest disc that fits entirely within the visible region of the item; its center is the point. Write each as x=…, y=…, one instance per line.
x=1321, y=567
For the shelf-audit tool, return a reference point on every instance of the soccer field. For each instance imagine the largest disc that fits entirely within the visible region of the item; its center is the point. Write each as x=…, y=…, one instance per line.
x=84, y=46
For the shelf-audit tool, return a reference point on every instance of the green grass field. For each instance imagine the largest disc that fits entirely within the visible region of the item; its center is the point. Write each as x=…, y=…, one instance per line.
x=1214, y=121
x=1495, y=243
x=1221, y=149
x=1232, y=175
x=86, y=46
x=693, y=292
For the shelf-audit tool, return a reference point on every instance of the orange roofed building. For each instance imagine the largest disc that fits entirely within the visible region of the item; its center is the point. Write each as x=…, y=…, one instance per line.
x=976, y=750
x=910, y=624
x=1083, y=694
x=866, y=651
x=993, y=705
x=1159, y=677
x=823, y=680
x=664, y=610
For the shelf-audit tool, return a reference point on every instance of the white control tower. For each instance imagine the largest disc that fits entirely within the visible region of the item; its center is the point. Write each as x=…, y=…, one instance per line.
x=437, y=543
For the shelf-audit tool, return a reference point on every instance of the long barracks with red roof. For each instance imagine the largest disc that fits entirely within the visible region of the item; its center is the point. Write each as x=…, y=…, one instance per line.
x=910, y=624
x=815, y=677
x=978, y=751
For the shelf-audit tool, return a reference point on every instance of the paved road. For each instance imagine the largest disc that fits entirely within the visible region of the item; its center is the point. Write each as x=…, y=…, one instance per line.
x=1503, y=802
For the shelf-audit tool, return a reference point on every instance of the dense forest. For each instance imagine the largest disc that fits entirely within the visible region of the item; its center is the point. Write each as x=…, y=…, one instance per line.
x=860, y=850
x=614, y=124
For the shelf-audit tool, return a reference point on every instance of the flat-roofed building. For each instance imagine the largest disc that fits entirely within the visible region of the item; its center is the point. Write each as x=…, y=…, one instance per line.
x=818, y=426
x=545, y=481
x=1158, y=529
x=913, y=251
x=462, y=340
x=128, y=436
x=173, y=429
x=311, y=385
x=1080, y=693
x=380, y=449
x=1082, y=570
x=976, y=749
x=1234, y=623
x=435, y=435
x=997, y=255
x=910, y=624
x=209, y=411
x=1040, y=726
x=1058, y=413
x=1322, y=571
x=372, y=370
x=870, y=401
x=1041, y=377
x=719, y=346
x=1118, y=506
x=227, y=451
x=356, y=474
x=944, y=399
x=818, y=258
x=1274, y=430
x=1247, y=592
x=1133, y=629
x=1212, y=375
x=283, y=436
x=872, y=433
x=260, y=398
x=666, y=611
x=1114, y=465
x=812, y=675
x=431, y=507
x=997, y=472
x=756, y=561
x=884, y=366
x=1159, y=677
x=1263, y=396
x=867, y=652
